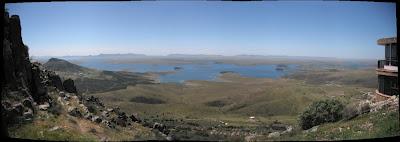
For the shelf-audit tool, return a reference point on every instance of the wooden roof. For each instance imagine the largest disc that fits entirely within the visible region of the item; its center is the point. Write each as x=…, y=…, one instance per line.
x=384, y=41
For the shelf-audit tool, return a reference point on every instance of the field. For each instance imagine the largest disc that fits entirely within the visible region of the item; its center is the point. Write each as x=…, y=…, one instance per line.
x=220, y=110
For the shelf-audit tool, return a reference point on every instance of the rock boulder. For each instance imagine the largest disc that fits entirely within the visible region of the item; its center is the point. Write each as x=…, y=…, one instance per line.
x=69, y=86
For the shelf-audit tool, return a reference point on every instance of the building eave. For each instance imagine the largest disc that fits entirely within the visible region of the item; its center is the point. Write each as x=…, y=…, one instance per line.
x=384, y=41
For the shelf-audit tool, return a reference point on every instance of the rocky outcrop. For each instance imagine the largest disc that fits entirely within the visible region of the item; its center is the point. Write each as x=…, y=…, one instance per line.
x=160, y=127
x=370, y=105
x=17, y=81
x=278, y=126
x=95, y=100
x=73, y=111
x=24, y=84
x=69, y=86
x=16, y=67
x=391, y=103
x=27, y=87
x=55, y=80
x=38, y=86
x=18, y=72
x=135, y=118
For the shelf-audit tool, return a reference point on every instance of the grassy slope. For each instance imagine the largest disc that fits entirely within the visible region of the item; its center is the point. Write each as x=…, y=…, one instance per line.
x=373, y=125
x=267, y=99
x=187, y=106
x=243, y=96
x=360, y=77
x=74, y=128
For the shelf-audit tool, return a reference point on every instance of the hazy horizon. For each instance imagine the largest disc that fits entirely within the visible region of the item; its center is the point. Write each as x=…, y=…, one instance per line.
x=347, y=30
x=193, y=55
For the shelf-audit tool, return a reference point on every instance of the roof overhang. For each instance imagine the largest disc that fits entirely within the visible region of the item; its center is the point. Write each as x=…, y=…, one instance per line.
x=384, y=41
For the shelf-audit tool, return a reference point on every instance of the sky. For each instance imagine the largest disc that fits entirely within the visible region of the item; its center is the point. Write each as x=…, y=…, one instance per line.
x=323, y=29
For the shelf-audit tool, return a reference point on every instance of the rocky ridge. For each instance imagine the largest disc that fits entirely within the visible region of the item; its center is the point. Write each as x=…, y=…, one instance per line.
x=28, y=88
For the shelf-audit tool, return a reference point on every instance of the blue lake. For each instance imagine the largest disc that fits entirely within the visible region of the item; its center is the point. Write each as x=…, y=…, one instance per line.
x=206, y=71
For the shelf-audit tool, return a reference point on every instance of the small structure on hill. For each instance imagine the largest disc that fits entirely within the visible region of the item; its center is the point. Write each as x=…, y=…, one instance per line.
x=387, y=70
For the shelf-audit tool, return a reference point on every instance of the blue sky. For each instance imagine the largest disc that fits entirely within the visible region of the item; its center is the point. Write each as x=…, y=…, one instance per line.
x=324, y=29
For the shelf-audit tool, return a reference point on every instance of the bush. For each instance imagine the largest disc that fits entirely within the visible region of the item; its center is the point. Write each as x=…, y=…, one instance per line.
x=91, y=107
x=321, y=112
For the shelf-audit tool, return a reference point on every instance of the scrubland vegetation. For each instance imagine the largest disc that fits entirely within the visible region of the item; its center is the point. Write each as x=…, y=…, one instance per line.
x=208, y=110
x=309, y=104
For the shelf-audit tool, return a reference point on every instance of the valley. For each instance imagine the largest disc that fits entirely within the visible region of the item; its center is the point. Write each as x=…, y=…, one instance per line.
x=235, y=107
x=181, y=71
x=209, y=110
x=235, y=104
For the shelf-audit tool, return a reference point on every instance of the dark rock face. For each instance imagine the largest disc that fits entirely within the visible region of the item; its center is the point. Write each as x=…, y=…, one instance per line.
x=38, y=86
x=18, y=82
x=16, y=69
x=24, y=84
x=19, y=51
x=55, y=80
x=69, y=86
x=27, y=103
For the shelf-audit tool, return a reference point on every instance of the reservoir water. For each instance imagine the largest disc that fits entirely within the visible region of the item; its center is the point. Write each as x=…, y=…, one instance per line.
x=204, y=71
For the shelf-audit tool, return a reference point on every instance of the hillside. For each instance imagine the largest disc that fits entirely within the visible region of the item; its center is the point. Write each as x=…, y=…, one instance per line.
x=36, y=104
x=91, y=80
x=379, y=121
x=62, y=101
x=208, y=110
x=62, y=65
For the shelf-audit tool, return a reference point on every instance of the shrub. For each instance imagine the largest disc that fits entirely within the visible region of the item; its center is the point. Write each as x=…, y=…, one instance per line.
x=91, y=107
x=320, y=112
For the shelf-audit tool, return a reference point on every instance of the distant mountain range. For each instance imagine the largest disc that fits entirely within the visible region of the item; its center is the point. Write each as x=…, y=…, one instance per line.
x=130, y=55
